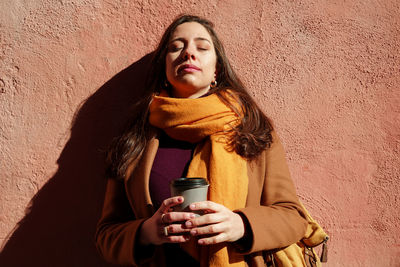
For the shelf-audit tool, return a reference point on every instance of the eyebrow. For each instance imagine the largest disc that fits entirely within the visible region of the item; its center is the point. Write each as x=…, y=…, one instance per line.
x=196, y=39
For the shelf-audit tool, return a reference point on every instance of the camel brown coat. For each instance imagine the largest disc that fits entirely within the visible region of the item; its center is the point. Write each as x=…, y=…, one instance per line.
x=275, y=217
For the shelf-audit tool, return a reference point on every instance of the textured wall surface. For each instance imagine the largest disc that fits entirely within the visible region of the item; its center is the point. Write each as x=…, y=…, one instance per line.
x=327, y=73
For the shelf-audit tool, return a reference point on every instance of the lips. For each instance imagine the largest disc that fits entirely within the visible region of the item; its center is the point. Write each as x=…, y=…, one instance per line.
x=188, y=68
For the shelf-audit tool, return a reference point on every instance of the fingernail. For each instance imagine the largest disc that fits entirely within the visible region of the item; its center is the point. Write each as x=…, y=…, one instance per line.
x=193, y=232
x=192, y=216
x=192, y=206
x=180, y=199
x=189, y=223
x=201, y=242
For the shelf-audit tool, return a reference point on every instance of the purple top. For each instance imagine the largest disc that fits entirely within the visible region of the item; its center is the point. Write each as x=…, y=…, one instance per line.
x=171, y=161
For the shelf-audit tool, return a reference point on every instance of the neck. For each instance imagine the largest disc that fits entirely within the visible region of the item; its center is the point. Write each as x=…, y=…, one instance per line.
x=195, y=94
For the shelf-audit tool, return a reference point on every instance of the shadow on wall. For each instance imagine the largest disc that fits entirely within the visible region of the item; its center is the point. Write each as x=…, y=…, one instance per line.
x=59, y=227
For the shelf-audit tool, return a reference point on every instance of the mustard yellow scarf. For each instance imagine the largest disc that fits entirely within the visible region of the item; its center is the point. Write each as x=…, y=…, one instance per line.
x=205, y=121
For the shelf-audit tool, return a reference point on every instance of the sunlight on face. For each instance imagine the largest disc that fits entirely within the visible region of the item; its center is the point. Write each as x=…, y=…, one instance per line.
x=191, y=60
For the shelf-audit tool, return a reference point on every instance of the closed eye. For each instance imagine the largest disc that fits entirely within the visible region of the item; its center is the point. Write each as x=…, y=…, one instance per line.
x=202, y=49
x=176, y=49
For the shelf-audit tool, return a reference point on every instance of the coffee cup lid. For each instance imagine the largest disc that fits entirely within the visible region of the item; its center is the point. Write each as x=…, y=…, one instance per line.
x=189, y=182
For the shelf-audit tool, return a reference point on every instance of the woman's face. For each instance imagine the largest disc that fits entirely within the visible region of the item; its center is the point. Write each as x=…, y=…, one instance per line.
x=190, y=62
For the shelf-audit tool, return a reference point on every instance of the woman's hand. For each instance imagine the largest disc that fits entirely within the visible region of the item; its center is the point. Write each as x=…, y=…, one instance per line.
x=220, y=224
x=158, y=229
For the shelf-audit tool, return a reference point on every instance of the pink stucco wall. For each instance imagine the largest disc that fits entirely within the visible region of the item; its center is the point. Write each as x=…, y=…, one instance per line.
x=327, y=73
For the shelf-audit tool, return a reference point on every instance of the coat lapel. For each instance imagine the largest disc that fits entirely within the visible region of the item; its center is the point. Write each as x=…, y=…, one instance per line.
x=137, y=181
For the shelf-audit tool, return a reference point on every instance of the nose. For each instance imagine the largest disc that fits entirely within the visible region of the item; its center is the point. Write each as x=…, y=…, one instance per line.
x=189, y=53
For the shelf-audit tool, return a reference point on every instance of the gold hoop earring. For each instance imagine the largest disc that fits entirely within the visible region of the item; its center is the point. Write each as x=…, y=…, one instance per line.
x=213, y=84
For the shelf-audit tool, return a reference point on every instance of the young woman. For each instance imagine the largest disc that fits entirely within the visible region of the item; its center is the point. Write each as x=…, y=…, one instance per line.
x=197, y=120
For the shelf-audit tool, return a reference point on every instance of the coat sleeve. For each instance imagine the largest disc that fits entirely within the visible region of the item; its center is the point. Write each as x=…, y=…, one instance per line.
x=117, y=229
x=276, y=219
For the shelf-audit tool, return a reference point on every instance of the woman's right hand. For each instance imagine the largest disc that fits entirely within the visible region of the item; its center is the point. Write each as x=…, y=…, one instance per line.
x=165, y=221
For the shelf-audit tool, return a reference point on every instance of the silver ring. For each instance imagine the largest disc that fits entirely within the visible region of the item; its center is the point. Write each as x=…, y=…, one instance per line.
x=166, y=230
x=162, y=217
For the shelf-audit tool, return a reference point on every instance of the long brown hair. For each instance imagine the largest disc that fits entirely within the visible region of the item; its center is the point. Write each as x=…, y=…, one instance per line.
x=249, y=138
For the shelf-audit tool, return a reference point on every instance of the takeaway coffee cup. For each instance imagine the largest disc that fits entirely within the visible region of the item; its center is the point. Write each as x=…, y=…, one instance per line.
x=192, y=190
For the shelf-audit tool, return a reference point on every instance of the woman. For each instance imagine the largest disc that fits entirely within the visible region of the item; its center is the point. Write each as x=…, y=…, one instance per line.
x=197, y=120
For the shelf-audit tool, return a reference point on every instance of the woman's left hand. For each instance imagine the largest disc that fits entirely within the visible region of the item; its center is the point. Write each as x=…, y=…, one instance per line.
x=220, y=224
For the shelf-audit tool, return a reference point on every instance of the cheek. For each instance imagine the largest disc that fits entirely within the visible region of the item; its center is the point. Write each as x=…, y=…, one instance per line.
x=211, y=66
x=168, y=65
